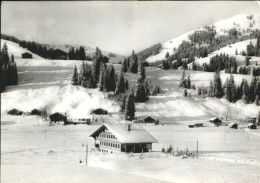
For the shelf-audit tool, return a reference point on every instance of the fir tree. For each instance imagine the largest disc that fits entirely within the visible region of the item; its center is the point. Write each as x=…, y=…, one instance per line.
x=141, y=71
x=130, y=107
x=147, y=88
x=231, y=90
x=123, y=103
x=188, y=85
x=211, y=90
x=126, y=84
x=111, y=78
x=124, y=66
x=252, y=90
x=133, y=63
x=246, y=92
x=71, y=54
x=217, y=85
x=182, y=82
x=167, y=55
x=75, y=76
x=82, y=73
x=97, y=60
x=102, y=78
x=120, y=84
x=140, y=95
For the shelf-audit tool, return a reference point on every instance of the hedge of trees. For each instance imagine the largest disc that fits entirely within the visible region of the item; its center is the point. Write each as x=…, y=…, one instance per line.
x=8, y=71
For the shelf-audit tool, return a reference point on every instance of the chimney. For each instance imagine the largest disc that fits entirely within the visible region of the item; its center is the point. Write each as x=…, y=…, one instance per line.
x=128, y=127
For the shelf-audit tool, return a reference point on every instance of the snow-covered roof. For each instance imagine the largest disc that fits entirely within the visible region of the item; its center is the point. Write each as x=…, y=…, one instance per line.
x=214, y=118
x=137, y=133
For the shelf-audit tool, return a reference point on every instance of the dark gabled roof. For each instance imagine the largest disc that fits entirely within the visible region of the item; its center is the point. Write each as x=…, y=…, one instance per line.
x=137, y=133
x=148, y=118
x=99, y=111
x=15, y=111
x=26, y=53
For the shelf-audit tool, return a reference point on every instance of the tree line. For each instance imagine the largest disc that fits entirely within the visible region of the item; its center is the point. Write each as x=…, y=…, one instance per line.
x=45, y=51
x=248, y=92
x=8, y=72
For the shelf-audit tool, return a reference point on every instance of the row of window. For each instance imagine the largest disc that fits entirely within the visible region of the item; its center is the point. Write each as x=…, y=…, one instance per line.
x=105, y=135
x=110, y=144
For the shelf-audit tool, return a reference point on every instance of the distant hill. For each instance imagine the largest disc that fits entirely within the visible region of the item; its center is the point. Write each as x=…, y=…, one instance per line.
x=241, y=26
x=46, y=50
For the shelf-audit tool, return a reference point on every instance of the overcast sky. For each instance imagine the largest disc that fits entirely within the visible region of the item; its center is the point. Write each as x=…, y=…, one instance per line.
x=114, y=26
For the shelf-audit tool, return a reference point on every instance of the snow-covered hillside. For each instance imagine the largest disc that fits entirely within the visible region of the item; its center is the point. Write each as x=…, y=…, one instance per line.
x=46, y=84
x=16, y=50
x=243, y=23
x=231, y=51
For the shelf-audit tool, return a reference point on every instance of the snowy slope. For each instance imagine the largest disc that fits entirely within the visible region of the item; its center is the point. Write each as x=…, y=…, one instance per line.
x=16, y=50
x=241, y=22
x=46, y=84
x=231, y=51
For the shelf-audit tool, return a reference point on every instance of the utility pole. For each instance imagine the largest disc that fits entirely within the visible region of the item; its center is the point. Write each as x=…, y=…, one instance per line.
x=45, y=134
x=86, y=154
x=197, y=149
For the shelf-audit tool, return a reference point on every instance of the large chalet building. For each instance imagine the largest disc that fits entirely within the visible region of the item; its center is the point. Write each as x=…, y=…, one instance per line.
x=123, y=137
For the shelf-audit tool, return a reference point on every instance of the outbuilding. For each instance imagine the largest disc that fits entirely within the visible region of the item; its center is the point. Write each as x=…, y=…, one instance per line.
x=252, y=126
x=15, y=112
x=123, y=137
x=99, y=111
x=216, y=121
x=27, y=55
x=36, y=112
x=57, y=116
x=149, y=119
x=233, y=125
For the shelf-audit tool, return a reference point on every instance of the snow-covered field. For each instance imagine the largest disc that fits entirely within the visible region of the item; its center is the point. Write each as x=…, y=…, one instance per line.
x=33, y=151
x=43, y=153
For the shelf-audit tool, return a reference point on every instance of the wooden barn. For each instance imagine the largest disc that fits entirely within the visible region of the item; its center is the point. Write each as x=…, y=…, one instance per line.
x=216, y=121
x=15, y=112
x=36, y=112
x=27, y=55
x=123, y=137
x=149, y=119
x=56, y=117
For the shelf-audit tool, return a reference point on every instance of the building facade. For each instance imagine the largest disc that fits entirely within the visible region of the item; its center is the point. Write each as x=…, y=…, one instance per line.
x=123, y=138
